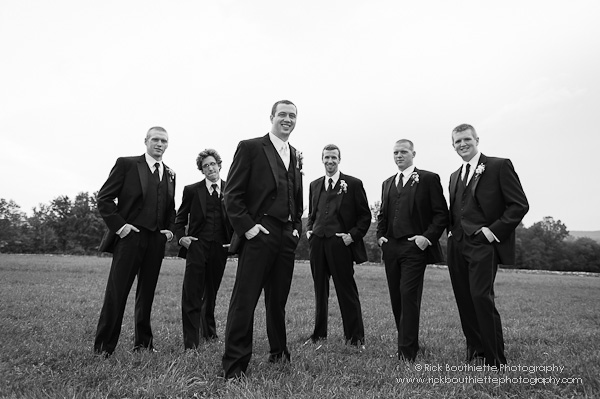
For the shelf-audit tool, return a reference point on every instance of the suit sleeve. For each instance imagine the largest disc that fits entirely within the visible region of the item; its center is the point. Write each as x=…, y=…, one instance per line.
x=439, y=210
x=363, y=213
x=182, y=217
x=108, y=193
x=381, y=214
x=236, y=188
x=515, y=202
x=310, y=221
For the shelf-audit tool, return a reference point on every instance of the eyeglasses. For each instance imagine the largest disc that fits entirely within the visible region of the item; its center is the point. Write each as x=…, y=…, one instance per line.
x=208, y=165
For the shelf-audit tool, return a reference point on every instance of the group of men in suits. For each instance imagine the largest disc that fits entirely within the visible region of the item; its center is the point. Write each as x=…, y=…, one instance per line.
x=259, y=213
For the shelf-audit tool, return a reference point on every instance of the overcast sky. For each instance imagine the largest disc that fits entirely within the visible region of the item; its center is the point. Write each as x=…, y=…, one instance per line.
x=81, y=82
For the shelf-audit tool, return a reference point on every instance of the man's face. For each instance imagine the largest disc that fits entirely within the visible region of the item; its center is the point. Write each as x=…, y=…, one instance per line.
x=211, y=169
x=156, y=144
x=403, y=155
x=331, y=160
x=283, y=121
x=465, y=144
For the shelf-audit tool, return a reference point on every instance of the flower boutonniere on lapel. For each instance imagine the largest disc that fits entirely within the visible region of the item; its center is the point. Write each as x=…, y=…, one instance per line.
x=479, y=170
x=299, y=159
x=343, y=187
x=171, y=173
x=414, y=178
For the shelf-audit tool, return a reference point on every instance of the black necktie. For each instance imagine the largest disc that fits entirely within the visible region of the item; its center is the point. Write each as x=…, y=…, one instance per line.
x=214, y=193
x=400, y=182
x=156, y=174
x=466, y=176
x=330, y=188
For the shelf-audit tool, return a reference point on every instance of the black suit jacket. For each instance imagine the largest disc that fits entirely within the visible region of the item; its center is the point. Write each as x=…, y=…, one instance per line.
x=499, y=194
x=127, y=183
x=192, y=213
x=428, y=210
x=353, y=209
x=252, y=186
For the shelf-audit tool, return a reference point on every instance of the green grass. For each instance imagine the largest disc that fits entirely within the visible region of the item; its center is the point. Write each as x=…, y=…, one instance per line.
x=49, y=307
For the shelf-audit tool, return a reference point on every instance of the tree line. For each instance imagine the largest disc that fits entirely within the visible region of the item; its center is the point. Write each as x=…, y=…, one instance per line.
x=74, y=226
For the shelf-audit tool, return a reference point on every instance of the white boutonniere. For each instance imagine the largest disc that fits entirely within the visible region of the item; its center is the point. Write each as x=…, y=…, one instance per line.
x=414, y=177
x=299, y=159
x=171, y=173
x=479, y=170
x=343, y=187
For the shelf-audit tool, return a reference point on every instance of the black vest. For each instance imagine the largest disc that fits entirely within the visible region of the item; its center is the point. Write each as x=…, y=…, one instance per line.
x=399, y=220
x=327, y=220
x=284, y=205
x=467, y=216
x=152, y=214
x=213, y=228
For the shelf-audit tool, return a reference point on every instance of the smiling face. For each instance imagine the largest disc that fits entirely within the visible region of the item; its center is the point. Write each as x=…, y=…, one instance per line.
x=403, y=155
x=284, y=121
x=331, y=160
x=156, y=143
x=465, y=144
x=210, y=169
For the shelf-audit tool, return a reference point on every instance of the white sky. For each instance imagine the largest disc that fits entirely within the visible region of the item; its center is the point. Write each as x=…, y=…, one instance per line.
x=82, y=81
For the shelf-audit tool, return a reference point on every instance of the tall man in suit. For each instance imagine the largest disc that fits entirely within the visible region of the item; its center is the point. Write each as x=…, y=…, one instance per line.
x=263, y=199
x=487, y=203
x=203, y=230
x=139, y=223
x=338, y=219
x=412, y=217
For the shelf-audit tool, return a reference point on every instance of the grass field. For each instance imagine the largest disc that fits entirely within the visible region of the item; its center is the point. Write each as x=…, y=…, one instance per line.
x=49, y=306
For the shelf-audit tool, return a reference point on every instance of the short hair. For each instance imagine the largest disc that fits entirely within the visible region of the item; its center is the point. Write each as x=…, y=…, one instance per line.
x=332, y=147
x=288, y=102
x=155, y=128
x=462, y=128
x=410, y=143
x=209, y=152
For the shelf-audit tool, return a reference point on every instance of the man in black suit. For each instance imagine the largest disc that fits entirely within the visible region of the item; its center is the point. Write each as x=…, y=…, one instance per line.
x=203, y=230
x=139, y=224
x=412, y=217
x=338, y=219
x=263, y=199
x=487, y=203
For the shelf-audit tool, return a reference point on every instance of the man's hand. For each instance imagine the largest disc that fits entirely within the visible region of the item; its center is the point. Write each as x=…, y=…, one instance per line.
x=168, y=233
x=381, y=241
x=126, y=229
x=253, y=232
x=347, y=238
x=308, y=234
x=295, y=233
x=187, y=241
x=487, y=233
x=421, y=242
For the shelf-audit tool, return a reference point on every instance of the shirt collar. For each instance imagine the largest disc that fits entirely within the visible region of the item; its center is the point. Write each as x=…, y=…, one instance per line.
x=474, y=161
x=151, y=161
x=209, y=185
x=335, y=178
x=277, y=142
x=406, y=172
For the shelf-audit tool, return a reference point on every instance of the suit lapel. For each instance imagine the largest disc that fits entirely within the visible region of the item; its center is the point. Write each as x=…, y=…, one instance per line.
x=271, y=153
x=143, y=171
x=453, y=182
x=476, y=177
x=338, y=189
x=202, y=192
x=170, y=181
x=412, y=189
x=318, y=188
x=294, y=164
